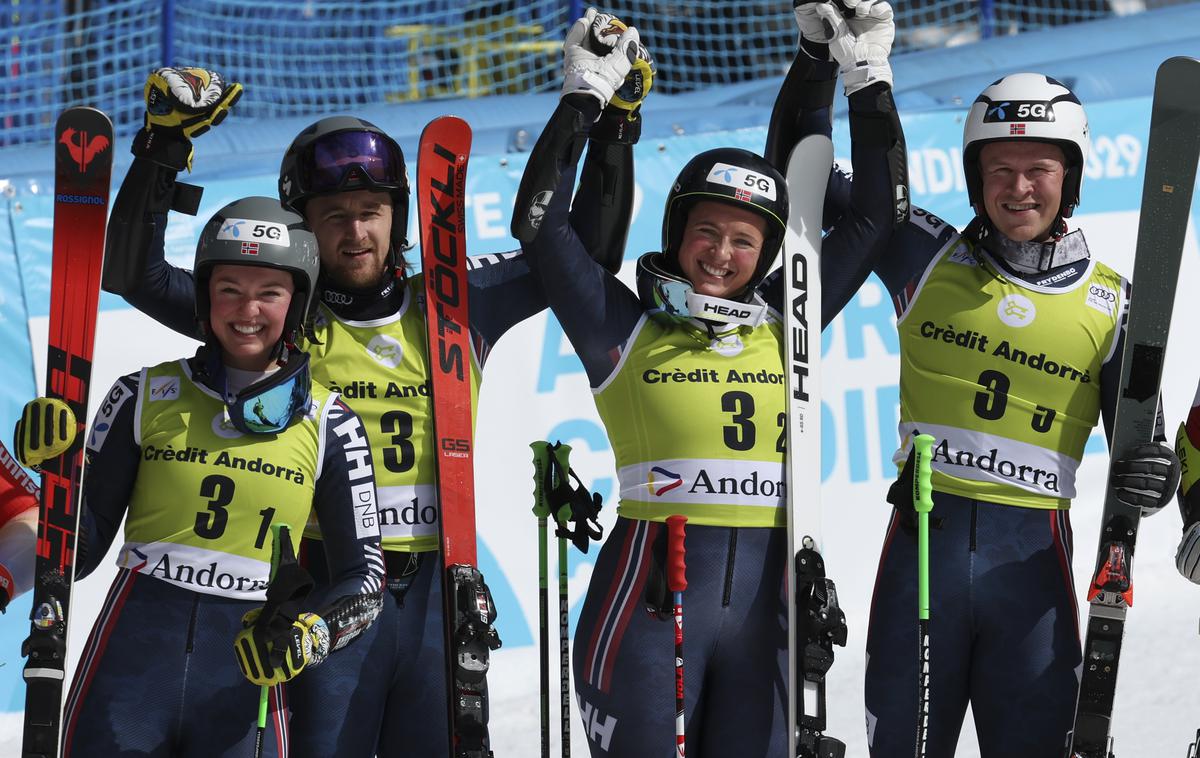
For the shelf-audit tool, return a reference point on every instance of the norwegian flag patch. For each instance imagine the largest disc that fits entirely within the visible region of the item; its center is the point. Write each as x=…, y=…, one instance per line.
x=741, y=194
x=249, y=248
x=1016, y=128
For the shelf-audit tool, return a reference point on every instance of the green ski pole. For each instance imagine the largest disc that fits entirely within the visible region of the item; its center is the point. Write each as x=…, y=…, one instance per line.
x=541, y=509
x=923, y=504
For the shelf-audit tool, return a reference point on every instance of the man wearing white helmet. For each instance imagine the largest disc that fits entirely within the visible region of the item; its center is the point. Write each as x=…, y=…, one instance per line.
x=1011, y=338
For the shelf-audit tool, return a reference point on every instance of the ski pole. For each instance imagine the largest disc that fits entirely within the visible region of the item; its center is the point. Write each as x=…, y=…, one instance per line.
x=280, y=533
x=562, y=455
x=923, y=504
x=677, y=583
x=541, y=509
x=564, y=652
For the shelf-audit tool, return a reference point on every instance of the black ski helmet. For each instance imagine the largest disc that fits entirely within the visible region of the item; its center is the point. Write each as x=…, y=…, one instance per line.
x=1031, y=107
x=342, y=153
x=258, y=231
x=734, y=176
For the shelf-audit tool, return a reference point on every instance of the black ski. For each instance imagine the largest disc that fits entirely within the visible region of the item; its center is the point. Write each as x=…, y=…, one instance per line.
x=1171, y=155
x=82, y=170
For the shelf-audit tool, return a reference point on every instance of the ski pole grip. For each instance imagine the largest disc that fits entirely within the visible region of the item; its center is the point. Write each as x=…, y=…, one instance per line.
x=562, y=455
x=676, y=567
x=541, y=466
x=922, y=486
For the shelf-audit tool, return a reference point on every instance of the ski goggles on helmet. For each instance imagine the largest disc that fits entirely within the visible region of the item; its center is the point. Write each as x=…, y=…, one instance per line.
x=270, y=405
x=351, y=160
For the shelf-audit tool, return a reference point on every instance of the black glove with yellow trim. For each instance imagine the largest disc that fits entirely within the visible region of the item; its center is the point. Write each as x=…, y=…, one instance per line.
x=275, y=651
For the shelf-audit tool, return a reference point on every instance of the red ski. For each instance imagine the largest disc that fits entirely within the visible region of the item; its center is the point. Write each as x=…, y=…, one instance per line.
x=82, y=171
x=469, y=612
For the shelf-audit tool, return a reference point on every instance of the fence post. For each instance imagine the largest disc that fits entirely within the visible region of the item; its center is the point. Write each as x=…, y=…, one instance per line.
x=987, y=19
x=167, y=41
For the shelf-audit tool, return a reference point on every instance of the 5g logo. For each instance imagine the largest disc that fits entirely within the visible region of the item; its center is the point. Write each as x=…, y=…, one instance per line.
x=271, y=231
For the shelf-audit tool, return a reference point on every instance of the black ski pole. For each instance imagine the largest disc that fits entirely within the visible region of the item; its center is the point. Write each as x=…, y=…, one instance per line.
x=541, y=509
x=562, y=455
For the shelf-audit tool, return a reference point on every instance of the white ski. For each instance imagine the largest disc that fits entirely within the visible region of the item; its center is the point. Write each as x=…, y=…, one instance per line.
x=815, y=623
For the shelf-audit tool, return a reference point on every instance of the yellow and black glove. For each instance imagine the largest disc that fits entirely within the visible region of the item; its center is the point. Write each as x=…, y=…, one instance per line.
x=276, y=651
x=638, y=82
x=181, y=103
x=47, y=429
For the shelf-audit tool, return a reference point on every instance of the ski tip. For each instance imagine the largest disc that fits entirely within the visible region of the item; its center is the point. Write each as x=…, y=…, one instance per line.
x=1185, y=61
x=446, y=125
x=85, y=113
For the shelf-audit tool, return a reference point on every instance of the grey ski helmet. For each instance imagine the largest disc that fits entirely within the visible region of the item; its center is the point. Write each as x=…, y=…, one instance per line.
x=728, y=175
x=343, y=153
x=1031, y=107
x=258, y=231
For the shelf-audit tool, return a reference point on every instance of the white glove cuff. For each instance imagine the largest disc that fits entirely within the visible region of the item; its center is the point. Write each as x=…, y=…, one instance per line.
x=865, y=73
x=583, y=80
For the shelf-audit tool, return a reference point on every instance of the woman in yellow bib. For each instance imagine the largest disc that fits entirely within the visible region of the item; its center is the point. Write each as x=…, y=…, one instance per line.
x=687, y=374
x=200, y=456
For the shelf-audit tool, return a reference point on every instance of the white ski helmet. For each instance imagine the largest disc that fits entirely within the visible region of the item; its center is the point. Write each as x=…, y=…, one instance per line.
x=1027, y=107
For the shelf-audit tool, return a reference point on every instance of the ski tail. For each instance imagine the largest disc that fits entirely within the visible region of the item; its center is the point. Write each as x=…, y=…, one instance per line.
x=82, y=174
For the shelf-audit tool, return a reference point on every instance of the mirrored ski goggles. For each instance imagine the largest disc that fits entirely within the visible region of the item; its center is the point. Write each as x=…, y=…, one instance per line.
x=269, y=406
x=349, y=159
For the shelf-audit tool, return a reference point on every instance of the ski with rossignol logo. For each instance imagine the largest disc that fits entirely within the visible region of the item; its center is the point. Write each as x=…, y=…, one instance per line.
x=83, y=155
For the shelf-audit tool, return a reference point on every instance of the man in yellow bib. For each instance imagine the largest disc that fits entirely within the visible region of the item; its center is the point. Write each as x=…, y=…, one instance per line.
x=1011, y=339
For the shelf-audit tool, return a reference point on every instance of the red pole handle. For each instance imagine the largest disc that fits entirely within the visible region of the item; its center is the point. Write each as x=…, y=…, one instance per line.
x=676, y=568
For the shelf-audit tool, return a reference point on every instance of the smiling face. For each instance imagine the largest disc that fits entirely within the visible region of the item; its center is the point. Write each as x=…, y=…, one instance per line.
x=249, y=306
x=720, y=248
x=1022, y=187
x=354, y=231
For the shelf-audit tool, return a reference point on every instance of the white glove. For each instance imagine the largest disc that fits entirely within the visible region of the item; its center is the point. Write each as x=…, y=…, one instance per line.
x=591, y=64
x=815, y=27
x=862, y=50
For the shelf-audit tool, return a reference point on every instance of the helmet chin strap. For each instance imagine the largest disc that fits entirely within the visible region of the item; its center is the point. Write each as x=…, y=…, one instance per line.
x=1033, y=256
x=724, y=311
